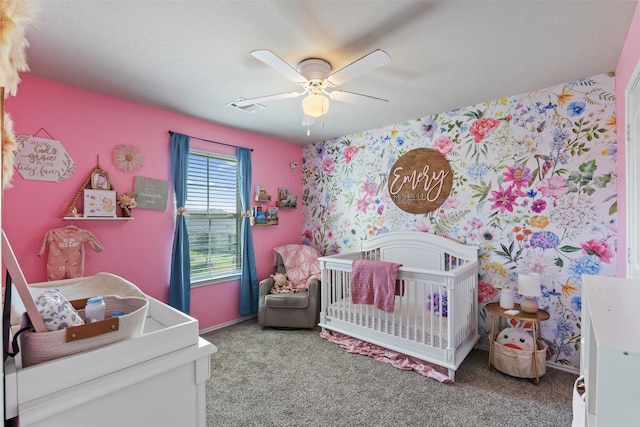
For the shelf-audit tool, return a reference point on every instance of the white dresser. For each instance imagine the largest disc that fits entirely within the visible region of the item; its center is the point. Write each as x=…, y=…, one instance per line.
x=610, y=354
x=157, y=379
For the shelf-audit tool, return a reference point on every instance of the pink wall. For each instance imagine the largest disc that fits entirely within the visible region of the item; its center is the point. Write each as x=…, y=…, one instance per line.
x=89, y=125
x=626, y=64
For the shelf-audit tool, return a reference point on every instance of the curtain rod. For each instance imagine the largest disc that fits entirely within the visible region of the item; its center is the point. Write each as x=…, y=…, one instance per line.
x=214, y=142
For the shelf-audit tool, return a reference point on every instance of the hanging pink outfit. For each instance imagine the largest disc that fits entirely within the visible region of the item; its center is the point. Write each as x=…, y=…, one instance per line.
x=66, y=251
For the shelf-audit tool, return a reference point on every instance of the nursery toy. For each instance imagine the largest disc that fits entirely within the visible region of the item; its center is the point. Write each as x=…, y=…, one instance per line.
x=282, y=285
x=516, y=338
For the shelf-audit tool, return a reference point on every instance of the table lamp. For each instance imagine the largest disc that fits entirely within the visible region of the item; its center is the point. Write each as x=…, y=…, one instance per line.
x=529, y=287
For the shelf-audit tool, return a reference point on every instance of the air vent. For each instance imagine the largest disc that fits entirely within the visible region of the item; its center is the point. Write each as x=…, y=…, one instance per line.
x=251, y=108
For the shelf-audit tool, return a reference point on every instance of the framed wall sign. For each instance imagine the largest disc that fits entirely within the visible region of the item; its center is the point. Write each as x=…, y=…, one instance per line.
x=42, y=159
x=420, y=181
x=151, y=193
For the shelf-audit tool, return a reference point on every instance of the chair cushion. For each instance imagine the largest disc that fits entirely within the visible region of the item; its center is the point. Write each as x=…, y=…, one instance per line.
x=297, y=300
x=301, y=263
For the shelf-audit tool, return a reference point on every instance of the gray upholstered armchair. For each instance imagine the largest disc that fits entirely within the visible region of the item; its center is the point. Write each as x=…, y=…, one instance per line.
x=288, y=310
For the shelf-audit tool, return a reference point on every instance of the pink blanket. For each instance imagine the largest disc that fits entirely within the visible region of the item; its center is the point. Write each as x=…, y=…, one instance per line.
x=374, y=282
x=399, y=360
x=301, y=263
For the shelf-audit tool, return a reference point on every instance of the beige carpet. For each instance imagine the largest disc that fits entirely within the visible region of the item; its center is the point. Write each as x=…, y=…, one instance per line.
x=267, y=377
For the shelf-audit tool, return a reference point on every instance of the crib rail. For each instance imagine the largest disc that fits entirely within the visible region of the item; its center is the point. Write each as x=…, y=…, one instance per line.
x=435, y=312
x=443, y=261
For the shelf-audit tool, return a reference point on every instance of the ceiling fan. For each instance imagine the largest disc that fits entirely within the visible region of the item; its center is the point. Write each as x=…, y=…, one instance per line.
x=317, y=81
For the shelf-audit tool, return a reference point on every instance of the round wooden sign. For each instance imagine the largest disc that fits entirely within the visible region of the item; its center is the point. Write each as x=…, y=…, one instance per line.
x=420, y=181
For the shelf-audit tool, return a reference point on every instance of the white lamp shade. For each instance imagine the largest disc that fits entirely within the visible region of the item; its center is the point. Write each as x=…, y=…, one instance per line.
x=315, y=105
x=529, y=284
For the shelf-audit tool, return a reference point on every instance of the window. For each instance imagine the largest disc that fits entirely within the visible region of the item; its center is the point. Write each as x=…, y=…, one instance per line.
x=213, y=218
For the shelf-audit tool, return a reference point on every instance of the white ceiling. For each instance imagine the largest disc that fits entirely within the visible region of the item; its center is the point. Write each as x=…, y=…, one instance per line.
x=193, y=57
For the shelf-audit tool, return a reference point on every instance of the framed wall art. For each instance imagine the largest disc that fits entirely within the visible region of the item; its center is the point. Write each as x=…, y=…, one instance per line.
x=99, y=203
x=100, y=179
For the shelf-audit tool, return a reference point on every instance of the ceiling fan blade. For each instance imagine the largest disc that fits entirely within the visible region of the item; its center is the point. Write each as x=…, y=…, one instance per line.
x=356, y=98
x=278, y=64
x=367, y=63
x=268, y=98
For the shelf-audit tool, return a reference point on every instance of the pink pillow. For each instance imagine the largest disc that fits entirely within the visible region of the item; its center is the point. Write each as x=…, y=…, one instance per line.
x=301, y=263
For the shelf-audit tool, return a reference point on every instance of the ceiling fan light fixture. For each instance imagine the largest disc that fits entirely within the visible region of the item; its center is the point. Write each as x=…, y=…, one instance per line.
x=315, y=105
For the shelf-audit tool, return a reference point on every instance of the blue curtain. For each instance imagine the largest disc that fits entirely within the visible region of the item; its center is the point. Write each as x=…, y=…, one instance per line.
x=180, y=281
x=249, y=279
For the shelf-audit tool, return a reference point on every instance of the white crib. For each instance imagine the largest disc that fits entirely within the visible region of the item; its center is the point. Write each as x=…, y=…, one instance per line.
x=431, y=265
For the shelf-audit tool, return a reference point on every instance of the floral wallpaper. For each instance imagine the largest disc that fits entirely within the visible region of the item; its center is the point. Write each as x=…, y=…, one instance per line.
x=534, y=188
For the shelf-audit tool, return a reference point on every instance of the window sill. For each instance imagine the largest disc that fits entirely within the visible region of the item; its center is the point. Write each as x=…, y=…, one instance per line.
x=215, y=281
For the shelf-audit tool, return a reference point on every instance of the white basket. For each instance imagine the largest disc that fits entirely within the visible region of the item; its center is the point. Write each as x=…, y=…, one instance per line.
x=38, y=347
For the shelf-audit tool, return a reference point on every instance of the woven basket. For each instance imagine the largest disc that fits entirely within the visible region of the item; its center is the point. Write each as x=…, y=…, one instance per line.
x=38, y=347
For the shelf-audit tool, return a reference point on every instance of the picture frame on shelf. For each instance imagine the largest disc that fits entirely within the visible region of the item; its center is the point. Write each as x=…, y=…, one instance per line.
x=99, y=203
x=100, y=180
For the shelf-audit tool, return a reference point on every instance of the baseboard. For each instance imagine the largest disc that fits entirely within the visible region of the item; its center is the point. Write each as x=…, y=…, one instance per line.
x=232, y=322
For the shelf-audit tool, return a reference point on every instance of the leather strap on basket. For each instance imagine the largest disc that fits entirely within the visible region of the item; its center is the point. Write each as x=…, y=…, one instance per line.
x=93, y=329
x=13, y=349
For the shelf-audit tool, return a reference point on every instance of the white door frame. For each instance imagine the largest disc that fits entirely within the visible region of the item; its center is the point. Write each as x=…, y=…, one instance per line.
x=632, y=169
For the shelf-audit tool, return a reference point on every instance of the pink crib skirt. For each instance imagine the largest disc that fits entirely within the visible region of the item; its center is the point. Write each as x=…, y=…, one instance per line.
x=399, y=360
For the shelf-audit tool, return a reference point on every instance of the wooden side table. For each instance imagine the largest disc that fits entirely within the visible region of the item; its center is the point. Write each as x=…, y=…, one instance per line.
x=535, y=319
